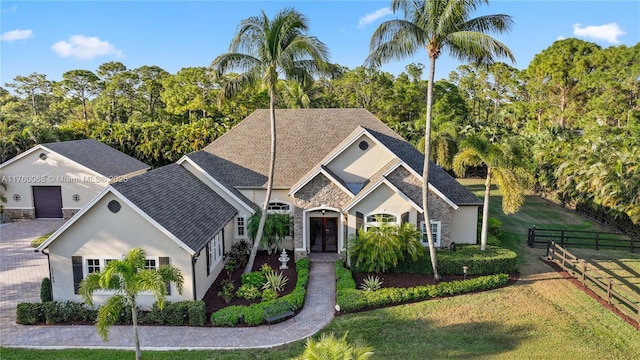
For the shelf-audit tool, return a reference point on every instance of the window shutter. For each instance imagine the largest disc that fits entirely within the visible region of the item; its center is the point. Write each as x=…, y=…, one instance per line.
x=208, y=259
x=165, y=261
x=404, y=217
x=76, y=261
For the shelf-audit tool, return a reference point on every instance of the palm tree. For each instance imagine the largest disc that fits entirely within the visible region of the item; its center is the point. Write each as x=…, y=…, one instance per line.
x=504, y=164
x=271, y=48
x=437, y=26
x=127, y=278
x=328, y=347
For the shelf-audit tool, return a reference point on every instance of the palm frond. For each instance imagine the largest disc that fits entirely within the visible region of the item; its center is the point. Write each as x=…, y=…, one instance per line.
x=108, y=314
x=395, y=39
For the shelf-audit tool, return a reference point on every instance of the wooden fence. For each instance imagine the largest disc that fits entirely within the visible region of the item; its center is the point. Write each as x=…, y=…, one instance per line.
x=623, y=299
x=583, y=239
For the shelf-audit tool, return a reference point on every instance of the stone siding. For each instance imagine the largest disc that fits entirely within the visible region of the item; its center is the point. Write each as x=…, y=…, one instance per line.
x=21, y=214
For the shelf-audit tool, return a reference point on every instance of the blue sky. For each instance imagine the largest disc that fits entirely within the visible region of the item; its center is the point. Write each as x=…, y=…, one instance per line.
x=51, y=37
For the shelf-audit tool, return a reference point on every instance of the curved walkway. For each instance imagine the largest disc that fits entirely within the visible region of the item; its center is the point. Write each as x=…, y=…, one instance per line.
x=22, y=270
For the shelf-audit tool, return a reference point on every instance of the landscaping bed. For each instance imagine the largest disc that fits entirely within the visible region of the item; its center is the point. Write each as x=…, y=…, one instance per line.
x=214, y=302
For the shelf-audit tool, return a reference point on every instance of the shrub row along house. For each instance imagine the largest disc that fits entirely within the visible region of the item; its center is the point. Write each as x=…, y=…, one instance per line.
x=337, y=170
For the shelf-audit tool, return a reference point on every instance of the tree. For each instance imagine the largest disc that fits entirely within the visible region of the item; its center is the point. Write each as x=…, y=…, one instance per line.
x=328, y=347
x=274, y=230
x=437, y=26
x=263, y=49
x=504, y=164
x=81, y=85
x=127, y=278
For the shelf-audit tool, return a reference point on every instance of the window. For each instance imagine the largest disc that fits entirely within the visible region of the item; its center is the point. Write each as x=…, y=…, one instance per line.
x=240, y=227
x=278, y=206
x=388, y=218
x=93, y=265
x=215, y=251
x=150, y=264
x=435, y=231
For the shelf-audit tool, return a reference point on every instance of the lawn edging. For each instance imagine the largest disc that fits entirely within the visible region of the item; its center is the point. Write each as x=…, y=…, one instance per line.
x=254, y=314
x=350, y=299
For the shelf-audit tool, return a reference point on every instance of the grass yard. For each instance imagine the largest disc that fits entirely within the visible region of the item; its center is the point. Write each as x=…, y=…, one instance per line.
x=541, y=317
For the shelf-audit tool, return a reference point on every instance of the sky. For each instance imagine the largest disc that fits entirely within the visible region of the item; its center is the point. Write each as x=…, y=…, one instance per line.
x=52, y=37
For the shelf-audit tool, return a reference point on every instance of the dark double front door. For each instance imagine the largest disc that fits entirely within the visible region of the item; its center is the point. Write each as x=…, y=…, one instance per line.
x=324, y=234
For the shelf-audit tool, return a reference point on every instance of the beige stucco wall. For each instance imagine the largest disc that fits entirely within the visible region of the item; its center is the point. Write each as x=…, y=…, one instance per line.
x=56, y=170
x=101, y=233
x=464, y=225
x=277, y=195
x=354, y=165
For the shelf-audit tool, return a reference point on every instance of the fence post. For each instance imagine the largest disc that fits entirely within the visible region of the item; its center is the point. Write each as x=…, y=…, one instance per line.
x=597, y=240
x=562, y=238
x=584, y=271
x=609, y=291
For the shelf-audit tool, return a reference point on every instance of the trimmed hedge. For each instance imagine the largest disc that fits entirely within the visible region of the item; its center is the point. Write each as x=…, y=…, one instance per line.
x=254, y=314
x=192, y=313
x=350, y=299
x=494, y=260
x=45, y=290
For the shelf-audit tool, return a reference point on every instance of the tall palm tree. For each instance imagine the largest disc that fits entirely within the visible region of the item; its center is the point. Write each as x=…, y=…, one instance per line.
x=127, y=278
x=437, y=26
x=262, y=50
x=505, y=165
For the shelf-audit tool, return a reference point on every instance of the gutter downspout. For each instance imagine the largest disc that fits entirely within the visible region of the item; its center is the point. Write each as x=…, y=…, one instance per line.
x=49, y=266
x=194, y=259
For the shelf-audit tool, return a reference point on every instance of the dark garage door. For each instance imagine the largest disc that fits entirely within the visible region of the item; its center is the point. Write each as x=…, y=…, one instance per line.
x=48, y=201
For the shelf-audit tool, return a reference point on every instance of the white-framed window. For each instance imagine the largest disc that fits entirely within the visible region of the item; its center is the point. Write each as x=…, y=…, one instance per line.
x=374, y=220
x=279, y=207
x=241, y=227
x=150, y=264
x=93, y=266
x=215, y=251
x=435, y=231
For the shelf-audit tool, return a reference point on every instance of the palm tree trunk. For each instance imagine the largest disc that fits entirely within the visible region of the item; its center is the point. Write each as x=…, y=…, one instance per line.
x=425, y=171
x=485, y=211
x=267, y=198
x=136, y=338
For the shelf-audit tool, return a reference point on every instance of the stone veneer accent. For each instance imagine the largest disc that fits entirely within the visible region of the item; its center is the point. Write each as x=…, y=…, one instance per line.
x=68, y=213
x=438, y=208
x=320, y=190
x=21, y=214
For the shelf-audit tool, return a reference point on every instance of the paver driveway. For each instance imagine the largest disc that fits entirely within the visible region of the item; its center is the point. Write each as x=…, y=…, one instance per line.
x=22, y=270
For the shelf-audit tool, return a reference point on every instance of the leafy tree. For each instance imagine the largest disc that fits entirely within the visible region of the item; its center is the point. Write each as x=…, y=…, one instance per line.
x=436, y=26
x=127, y=278
x=504, y=164
x=275, y=228
x=35, y=87
x=265, y=48
x=328, y=347
x=190, y=90
x=81, y=85
x=151, y=89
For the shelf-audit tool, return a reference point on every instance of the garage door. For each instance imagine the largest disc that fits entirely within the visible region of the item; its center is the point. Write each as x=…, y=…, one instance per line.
x=48, y=201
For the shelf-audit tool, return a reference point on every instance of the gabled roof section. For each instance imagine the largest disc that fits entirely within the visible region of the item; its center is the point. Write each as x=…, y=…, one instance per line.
x=321, y=169
x=98, y=157
x=180, y=203
x=228, y=174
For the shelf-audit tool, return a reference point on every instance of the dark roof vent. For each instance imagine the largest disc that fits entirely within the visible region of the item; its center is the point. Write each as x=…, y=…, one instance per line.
x=363, y=145
x=114, y=206
x=43, y=156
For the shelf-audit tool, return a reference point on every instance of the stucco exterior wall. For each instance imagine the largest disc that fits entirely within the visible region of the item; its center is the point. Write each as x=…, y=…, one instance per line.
x=101, y=233
x=55, y=170
x=354, y=165
x=464, y=225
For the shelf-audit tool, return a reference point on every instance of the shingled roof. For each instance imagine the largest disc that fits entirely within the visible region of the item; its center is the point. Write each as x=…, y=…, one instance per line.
x=305, y=138
x=179, y=202
x=98, y=157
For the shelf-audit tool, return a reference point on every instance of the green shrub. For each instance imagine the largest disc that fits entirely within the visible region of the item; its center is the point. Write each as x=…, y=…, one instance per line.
x=254, y=278
x=196, y=313
x=29, y=313
x=45, y=290
x=228, y=316
x=344, y=278
x=371, y=283
x=154, y=316
x=494, y=260
x=254, y=314
x=494, y=227
x=248, y=291
x=227, y=290
x=176, y=313
x=275, y=281
x=52, y=312
x=269, y=295
x=265, y=269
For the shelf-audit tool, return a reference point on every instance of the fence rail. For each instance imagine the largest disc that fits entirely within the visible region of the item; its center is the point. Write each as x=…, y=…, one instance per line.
x=623, y=299
x=583, y=239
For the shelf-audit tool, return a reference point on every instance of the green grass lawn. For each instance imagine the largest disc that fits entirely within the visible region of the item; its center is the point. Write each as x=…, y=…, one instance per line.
x=541, y=317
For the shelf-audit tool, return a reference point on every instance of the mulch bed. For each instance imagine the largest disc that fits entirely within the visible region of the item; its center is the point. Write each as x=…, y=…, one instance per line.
x=215, y=302
x=565, y=275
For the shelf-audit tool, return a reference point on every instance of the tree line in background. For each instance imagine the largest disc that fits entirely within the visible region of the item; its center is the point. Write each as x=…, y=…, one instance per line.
x=574, y=111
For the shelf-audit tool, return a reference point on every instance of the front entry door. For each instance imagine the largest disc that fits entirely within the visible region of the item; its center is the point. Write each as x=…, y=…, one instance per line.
x=324, y=234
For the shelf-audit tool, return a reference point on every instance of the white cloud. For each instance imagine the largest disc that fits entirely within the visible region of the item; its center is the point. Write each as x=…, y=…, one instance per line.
x=608, y=32
x=369, y=18
x=85, y=48
x=560, y=38
x=17, y=34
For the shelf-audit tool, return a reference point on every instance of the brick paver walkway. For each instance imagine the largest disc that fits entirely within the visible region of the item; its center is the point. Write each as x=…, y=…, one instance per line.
x=22, y=270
